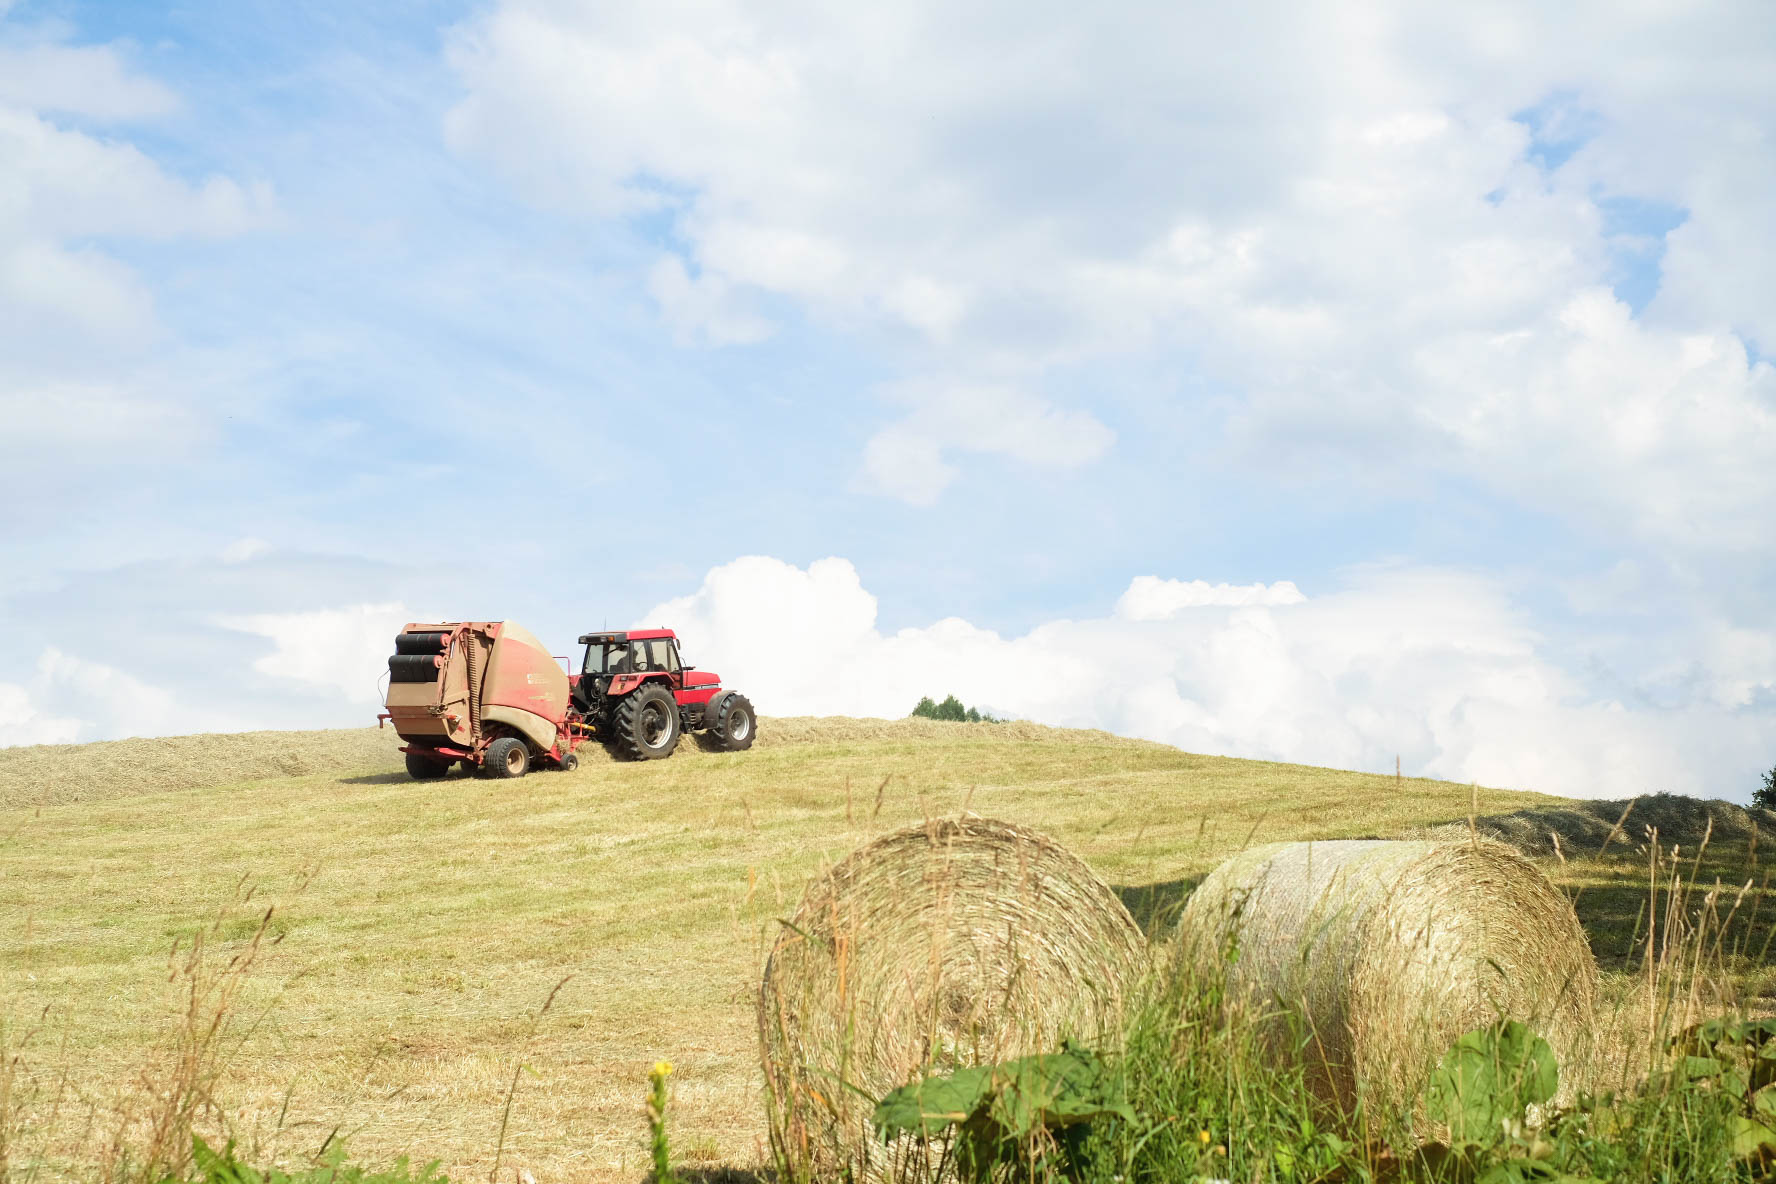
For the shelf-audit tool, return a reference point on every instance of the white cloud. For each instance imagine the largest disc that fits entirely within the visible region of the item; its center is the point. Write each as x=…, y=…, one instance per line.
x=1332, y=214
x=22, y=722
x=341, y=651
x=1437, y=667
x=245, y=550
x=85, y=365
x=70, y=699
x=704, y=308
x=906, y=458
x=1150, y=598
x=88, y=80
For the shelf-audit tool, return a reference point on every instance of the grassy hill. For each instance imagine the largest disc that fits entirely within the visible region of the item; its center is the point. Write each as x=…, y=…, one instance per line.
x=420, y=926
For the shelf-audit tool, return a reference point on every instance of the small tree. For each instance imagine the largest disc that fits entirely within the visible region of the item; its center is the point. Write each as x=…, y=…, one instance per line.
x=951, y=709
x=926, y=709
x=1766, y=793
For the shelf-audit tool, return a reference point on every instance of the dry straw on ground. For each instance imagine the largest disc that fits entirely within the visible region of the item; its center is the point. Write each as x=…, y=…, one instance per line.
x=952, y=943
x=58, y=774
x=1372, y=956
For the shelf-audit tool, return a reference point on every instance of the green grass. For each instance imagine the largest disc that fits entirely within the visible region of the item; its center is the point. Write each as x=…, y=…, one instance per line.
x=403, y=990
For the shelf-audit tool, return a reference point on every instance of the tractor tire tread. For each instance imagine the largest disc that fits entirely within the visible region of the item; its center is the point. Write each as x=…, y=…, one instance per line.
x=721, y=724
x=626, y=724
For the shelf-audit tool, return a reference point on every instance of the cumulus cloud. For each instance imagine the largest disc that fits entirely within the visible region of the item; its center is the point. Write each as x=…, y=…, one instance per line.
x=1439, y=668
x=1387, y=236
x=338, y=651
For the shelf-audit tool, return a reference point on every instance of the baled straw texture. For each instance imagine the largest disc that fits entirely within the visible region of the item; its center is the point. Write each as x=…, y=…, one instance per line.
x=953, y=943
x=1369, y=958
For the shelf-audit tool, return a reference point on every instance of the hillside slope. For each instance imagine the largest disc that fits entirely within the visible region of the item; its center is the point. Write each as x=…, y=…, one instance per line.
x=437, y=917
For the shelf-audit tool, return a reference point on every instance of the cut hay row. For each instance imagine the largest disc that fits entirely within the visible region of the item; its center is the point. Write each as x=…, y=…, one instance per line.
x=59, y=774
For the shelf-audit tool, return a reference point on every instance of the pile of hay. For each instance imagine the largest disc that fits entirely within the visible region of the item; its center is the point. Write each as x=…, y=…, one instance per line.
x=953, y=943
x=1368, y=958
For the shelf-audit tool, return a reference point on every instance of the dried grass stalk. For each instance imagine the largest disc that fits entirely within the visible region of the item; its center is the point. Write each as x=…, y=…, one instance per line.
x=1368, y=958
x=953, y=943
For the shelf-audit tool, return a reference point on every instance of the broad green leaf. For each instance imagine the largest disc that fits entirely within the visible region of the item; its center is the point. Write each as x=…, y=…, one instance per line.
x=927, y=1107
x=1055, y=1090
x=1751, y=1137
x=1488, y=1078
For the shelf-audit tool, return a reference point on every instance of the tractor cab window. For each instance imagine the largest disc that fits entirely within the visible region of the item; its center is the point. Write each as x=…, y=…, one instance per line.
x=656, y=656
x=606, y=658
x=632, y=657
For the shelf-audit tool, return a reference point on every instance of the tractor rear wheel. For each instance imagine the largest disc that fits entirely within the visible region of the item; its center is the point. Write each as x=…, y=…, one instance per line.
x=646, y=724
x=733, y=724
x=506, y=757
x=426, y=768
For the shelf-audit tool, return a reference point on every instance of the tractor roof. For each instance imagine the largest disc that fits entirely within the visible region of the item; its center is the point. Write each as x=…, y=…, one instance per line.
x=622, y=635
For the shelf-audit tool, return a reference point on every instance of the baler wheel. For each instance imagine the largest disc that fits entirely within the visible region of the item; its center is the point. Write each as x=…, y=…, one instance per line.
x=646, y=724
x=506, y=757
x=734, y=724
x=426, y=768
x=570, y=761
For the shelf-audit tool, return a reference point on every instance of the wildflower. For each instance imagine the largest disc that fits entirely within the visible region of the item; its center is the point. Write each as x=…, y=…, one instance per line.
x=662, y=1068
x=1203, y=1137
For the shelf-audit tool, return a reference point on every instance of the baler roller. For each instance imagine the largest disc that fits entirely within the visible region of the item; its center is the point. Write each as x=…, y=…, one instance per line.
x=421, y=643
x=414, y=667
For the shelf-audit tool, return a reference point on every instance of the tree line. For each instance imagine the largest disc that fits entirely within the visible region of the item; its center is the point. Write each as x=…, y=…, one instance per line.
x=952, y=709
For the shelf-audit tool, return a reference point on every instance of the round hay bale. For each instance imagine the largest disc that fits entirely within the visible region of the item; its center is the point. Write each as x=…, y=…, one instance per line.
x=1369, y=958
x=954, y=943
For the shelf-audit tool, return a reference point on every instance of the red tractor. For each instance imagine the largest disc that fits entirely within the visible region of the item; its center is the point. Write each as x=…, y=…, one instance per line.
x=633, y=691
x=488, y=696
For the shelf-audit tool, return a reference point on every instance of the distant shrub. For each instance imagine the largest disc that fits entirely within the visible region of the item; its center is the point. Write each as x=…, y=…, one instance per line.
x=952, y=709
x=1764, y=797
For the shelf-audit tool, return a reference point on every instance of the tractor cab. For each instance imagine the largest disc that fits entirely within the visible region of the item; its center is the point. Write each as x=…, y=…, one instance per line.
x=608, y=656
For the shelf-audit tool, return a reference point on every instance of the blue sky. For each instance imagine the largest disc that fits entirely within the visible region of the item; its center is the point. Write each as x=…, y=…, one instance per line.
x=313, y=321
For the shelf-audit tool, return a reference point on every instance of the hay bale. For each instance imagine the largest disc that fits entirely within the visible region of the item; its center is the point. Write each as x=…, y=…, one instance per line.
x=953, y=943
x=1368, y=958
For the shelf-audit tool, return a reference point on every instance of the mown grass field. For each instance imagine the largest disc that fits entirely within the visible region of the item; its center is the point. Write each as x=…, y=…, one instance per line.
x=422, y=925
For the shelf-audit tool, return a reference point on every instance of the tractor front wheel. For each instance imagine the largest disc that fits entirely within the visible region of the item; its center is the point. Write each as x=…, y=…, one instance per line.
x=506, y=757
x=733, y=724
x=426, y=768
x=646, y=723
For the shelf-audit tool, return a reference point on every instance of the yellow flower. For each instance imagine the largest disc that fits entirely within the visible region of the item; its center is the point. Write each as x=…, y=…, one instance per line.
x=1204, y=1136
x=662, y=1068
